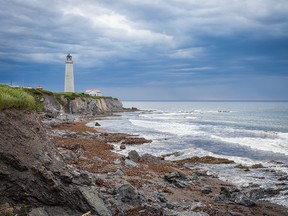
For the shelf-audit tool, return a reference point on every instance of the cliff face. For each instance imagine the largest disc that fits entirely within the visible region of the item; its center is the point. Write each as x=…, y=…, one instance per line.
x=33, y=173
x=84, y=106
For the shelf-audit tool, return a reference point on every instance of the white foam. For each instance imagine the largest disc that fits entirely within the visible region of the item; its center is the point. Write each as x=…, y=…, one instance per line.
x=264, y=144
x=283, y=135
x=171, y=127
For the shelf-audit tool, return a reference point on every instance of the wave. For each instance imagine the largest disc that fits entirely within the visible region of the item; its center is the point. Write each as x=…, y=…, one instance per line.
x=171, y=127
x=264, y=144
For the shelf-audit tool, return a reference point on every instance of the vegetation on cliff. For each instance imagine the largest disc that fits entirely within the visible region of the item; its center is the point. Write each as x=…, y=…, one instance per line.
x=15, y=98
x=24, y=98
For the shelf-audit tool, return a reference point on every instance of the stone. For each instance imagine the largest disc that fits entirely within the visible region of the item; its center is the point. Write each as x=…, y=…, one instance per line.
x=122, y=146
x=150, y=158
x=179, y=179
x=134, y=156
x=225, y=191
x=130, y=163
x=118, y=161
x=206, y=189
x=95, y=202
x=97, y=124
x=232, y=213
x=160, y=196
x=220, y=198
x=245, y=201
x=38, y=212
x=119, y=171
x=128, y=194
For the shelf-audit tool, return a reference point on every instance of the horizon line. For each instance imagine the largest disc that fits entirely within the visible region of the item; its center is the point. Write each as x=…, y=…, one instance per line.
x=212, y=100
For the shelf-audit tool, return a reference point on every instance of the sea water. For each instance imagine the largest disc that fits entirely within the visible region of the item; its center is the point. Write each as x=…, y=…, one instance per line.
x=245, y=132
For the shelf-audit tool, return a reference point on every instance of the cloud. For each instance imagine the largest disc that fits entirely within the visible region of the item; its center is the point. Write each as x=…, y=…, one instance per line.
x=151, y=42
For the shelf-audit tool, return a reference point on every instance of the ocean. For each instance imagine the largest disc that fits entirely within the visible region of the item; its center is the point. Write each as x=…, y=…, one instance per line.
x=246, y=132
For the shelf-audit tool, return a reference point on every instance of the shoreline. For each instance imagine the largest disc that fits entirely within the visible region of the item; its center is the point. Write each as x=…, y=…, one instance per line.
x=170, y=186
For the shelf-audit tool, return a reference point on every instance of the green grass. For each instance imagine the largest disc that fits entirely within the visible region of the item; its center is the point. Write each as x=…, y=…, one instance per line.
x=15, y=98
x=23, y=98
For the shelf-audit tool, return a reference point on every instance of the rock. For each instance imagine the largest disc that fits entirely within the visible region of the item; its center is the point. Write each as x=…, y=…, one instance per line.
x=119, y=171
x=232, y=213
x=206, y=189
x=245, y=201
x=135, y=140
x=179, y=179
x=122, y=146
x=160, y=196
x=38, y=212
x=67, y=154
x=118, y=161
x=95, y=202
x=225, y=191
x=130, y=163
x=97, y=124
x=150, y=158
x=220, y=198
x=134, y=156
x=128, y=194
x=55, y=211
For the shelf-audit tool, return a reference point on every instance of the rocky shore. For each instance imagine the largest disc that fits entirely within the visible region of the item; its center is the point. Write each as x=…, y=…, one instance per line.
x=69, y=169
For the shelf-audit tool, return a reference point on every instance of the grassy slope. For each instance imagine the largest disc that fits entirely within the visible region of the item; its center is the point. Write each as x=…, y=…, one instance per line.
x=22, y=98
x=15, y=98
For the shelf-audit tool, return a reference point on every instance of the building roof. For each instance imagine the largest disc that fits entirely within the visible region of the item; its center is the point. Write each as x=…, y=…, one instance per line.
x=93, y=90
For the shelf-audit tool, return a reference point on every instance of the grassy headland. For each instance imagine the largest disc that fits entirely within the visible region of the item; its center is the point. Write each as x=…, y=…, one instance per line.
x=32, y=99
x=15, y=98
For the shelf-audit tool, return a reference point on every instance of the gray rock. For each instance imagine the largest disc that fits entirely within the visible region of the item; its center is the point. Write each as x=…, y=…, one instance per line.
x=97, y=124
x=119, y=171
x=160, y=196
x=179, y=179
x=95, y=202
x=206, y=189
x=130, y=163
x=150, y=158
x=220, y=198
x=225, y=191
x=128, y=194
x=38, y=212
x=134, y=156
x=53, y=211
x=243, y=200
x=235, y=213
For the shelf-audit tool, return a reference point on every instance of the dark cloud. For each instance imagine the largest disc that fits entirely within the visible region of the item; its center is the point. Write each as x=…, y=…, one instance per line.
x=149, y=46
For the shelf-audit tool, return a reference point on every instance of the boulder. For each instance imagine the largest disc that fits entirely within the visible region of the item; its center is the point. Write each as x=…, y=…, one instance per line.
x=130, y=163
x=97, y=124
x=220, y=198
x=95, y=202
x=134, y=156
x=243, y=200
x=150, y=158
x=206, y=189
x=179, y=179
x=122, y=146
x=225, y=191
x=128, y=194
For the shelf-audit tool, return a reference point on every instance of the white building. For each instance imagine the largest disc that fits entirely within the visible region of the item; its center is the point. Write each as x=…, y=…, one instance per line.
x=94, y=92
x=69, y=74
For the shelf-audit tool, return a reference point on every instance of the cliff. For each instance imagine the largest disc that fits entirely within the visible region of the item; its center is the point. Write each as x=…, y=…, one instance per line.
x=55, y=104
x=33, y=173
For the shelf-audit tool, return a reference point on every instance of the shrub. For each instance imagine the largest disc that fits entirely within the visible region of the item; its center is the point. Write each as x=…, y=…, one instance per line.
x=15, y=98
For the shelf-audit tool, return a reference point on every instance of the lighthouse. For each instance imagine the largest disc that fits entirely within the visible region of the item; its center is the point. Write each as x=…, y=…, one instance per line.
x=69, y=74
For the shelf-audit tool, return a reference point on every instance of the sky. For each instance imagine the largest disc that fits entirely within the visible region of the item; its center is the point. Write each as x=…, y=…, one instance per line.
x=149, y=50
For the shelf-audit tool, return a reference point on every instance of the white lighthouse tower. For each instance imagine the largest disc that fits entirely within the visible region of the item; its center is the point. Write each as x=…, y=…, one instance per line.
x=69, y=74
